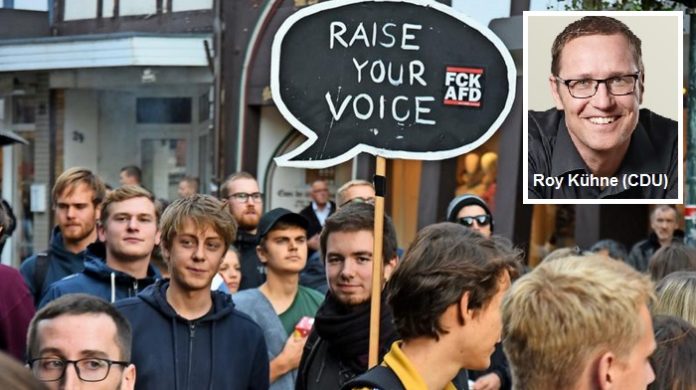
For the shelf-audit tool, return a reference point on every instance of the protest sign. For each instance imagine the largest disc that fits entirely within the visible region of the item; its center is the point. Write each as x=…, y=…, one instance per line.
x=399, y=79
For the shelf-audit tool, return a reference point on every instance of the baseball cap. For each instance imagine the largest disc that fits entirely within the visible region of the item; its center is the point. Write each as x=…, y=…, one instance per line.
x=271, y=218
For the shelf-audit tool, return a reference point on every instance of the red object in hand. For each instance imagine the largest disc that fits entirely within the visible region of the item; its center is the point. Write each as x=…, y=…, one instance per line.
x=303, y=327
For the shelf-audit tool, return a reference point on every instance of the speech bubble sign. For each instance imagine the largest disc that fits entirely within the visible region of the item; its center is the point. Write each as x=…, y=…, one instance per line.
x=406, y=79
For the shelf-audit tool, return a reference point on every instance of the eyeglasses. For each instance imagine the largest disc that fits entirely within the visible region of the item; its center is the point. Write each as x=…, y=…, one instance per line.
x=481, y=220
x=88, y=369
x=359, y=199
x=243, y=197
x=586, y=88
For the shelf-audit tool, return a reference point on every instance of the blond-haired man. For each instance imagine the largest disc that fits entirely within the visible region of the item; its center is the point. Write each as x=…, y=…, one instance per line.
x=580, y=323
x=76, y=197
x=355, y=191
x=184, y=335
x=117, y=266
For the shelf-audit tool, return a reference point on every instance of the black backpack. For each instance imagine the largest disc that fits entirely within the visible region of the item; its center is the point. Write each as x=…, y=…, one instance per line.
x=378, y=377
x=40, y=270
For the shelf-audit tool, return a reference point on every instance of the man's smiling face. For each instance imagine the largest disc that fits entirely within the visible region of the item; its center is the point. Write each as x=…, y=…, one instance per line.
x=603, y=123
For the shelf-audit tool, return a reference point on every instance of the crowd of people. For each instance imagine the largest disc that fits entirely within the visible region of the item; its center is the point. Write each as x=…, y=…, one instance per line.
x=244, y=300
x=214, y=293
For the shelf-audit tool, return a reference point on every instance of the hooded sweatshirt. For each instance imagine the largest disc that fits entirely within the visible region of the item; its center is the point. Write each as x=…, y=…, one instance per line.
x=100, y=280
x=61, y=263
x=224, y=349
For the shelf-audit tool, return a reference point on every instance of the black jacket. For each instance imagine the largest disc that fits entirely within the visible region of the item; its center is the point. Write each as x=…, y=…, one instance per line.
x=314, y=224
x=643, y=250
x=553, y=155
x=253, y=271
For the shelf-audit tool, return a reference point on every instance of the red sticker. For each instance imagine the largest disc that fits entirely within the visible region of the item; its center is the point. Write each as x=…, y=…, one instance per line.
x=464, y=86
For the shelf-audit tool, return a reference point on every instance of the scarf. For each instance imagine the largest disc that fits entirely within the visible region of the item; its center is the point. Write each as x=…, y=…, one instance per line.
x=347, y=330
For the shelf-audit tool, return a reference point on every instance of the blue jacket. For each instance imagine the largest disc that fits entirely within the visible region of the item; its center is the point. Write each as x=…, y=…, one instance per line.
x=100, y=280
x=61, y=263
x=224, y=349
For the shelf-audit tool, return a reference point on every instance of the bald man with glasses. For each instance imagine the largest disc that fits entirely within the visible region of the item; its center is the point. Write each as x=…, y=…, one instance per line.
x=597, y=142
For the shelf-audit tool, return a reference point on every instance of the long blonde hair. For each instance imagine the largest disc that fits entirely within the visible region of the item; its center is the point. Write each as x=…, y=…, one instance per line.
x=676, y=296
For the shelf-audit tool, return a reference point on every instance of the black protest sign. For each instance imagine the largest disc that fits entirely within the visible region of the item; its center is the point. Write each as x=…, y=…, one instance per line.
x=400, y=79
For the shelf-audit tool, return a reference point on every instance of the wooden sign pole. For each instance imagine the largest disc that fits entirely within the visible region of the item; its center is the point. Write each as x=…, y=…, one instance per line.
x=377, y=269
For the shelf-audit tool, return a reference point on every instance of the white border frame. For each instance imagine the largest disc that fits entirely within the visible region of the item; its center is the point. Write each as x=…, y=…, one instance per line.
x=679, y=15
x=285, y=160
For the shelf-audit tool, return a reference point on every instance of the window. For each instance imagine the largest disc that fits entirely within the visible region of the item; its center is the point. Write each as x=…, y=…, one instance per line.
x=163, y=110
x=23, y=110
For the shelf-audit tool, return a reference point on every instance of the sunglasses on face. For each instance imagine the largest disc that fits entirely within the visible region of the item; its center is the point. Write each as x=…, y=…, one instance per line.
x=481, y=220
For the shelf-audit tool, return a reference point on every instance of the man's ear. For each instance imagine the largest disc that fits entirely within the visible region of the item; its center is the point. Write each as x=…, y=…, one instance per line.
x=389, y=267
x=554, y=86
x=164, y=251
x=101, y=232
x=158, y=237
x=464, y=313
x=128, y=378
x=261, y=253
x=606, y=371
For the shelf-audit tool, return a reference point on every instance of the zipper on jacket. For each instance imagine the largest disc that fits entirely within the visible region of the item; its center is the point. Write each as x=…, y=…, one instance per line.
x=192, y=335
x=135, y=287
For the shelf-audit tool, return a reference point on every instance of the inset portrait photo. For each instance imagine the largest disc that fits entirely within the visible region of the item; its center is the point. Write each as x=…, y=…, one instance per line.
x=603, y=92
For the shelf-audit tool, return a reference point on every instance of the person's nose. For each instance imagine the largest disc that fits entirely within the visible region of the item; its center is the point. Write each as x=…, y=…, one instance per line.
x=133, y=223
x=603, y=99
x=651, y=374
x=71, y=212
x=199, y=252
x=70, y=379
x=348, y=270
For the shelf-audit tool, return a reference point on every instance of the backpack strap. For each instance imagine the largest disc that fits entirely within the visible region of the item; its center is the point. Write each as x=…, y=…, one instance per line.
x=40, y=271
x=308, y=353
x=378, y=377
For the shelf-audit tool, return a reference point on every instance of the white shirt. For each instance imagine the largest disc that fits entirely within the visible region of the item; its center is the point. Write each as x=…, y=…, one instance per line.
x=321, y=214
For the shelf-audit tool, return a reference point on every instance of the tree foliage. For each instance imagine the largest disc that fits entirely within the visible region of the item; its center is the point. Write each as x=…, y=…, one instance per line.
x=621, y=5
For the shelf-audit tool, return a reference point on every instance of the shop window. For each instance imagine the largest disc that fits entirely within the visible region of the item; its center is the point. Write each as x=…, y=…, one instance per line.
x=477, y=171
x=163, y=110
x=23, y=110
x=553, y=227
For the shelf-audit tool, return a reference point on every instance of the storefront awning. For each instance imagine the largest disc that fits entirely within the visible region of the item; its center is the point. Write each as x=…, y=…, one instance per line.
x=103, y=50
x=8, y=137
